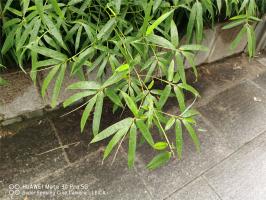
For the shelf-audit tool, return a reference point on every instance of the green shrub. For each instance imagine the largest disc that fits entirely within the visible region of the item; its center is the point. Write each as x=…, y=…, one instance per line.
x=137, y=42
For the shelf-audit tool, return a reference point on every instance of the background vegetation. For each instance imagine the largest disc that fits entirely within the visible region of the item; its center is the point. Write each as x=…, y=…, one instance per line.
x=129, y=45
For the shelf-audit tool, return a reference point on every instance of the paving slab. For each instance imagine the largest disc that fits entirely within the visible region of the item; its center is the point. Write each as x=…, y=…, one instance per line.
x=67, y=125
x=261, y=81
x=19, y=96
x=164, y=180
x=213, y=149
x=239, y=113
x=101, y=181
x=262, y=61
x=68, y=128
x=222, y=75
x=196, y=190
x=20, y=162
x=243, y=175
x=168, y=179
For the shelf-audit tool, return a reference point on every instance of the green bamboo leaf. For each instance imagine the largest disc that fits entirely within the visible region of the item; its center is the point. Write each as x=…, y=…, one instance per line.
x=170, y=74
x=9, y=42
x=243, y=5
x=238, y=38
x=15, y=11
x=58, y=85
x=150, y=71
x=115, y=78
x=76, y=97
x=25, y=35
x=219, y=5
x=97, y=114
x=77, y=43
x=145, y=132
x=102, y=67
x=35, y=30
x=130, y=103
x=107, y=28
x=170, y=123
x=159, y=160
x=180, y=67
x=57, y=8
x=238, y=17
x=11, y=23
x=156, y=5
x=189, y=88
x=157, y=22
x=26, y=4
x=40, y=8
x=160, y=41
x=48, y=79
x=191, y=22
x=116, y=138
x=191, y=60
x=250, y=38
x=113, y=97
x=180, y=98
x=132, y=143
x=199, y=22
x=112, y=129
x=234, y=24
x=123, y=67
x=164, y=96
x=160, y=145
x=48, y=62
x=179, y=138
x=49, y=53
x=86, y=112
x=174, y=34
x=54, y=31
x=84, y=85
x=192, y=134
x=83, y=57
x=193, y=47
x=190, y=113
x=51, y=42
x=73, y=2
x=7, y=5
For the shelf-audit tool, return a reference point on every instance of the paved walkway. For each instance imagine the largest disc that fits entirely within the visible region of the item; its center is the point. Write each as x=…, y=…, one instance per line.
x=230, y=166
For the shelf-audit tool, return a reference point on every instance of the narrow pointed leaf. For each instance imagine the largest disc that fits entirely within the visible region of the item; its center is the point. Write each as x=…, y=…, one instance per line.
x=164, y=96
x=97, y=113
x=132, y=143
x=179, y=139
x=112, y=129
x=84, y=85
x=160, y=145
x=48, y=79
x=145, y=131
x=58, y=85
x=130, y=103
x=116, y=138
x=170, y=123
x=192, y=134
x=76, y=97
x=159, y=160
x=86, y=112
x=158, y=22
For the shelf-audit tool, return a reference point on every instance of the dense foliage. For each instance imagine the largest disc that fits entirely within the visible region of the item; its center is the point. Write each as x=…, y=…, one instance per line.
x=128, y=45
